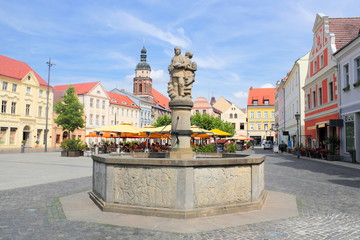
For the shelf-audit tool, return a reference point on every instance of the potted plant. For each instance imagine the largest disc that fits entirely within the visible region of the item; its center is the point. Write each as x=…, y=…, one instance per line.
x=333, y=143
x=353, y=155
x=37, y=143
x=72, y=148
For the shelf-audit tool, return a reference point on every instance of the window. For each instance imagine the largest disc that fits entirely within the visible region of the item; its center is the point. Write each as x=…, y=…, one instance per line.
x=251, y=114
x=204, y=111
x=91, y=102
x=346, y=75
x=321, y=61
x=308, y=101
x=97, y=120
x=266, y=102
x=235, y=115
x=103, y=120
x=258, y=114
x=266, y=126
x=27, y=110
x=331, y=91
x=255, y=102
x=349, y=132
x=251, y=126
x=320, y=96
x=97, y=103
x=357, y=69
x=314, y=98
x=40, y=111
x=103, y=104
x=41, y=93
x=12, y=135
x=3, y=131
x=3, y=106
x=272, y=114
x=315, y=66
x=259, y=126
x=4, y=86
x=266, y=114
x=28, y=90
x=14, y=86
x=91, y=119
x=242, y=126
x=231, y=115
x=13, y=107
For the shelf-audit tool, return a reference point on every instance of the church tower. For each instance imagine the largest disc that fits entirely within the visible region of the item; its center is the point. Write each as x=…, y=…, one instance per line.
x=142, y=80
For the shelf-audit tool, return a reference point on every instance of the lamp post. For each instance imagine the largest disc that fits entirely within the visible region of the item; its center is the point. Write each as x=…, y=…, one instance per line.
x=297, y=117
x=50, y=64
x=277, y=134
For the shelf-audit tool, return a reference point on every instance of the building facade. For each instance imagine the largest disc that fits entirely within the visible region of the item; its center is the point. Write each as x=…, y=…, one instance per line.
x=95, y=99
x=281, y=134
x=348, y=61
x=123, y=110
x=237, y=117
x=261, y=114
x=294, y=102
x=321, y=86
x=23, y=97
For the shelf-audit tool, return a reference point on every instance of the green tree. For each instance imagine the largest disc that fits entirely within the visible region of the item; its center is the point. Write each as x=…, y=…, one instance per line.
x=70, y=111
x=208, y=122
x=162, y=121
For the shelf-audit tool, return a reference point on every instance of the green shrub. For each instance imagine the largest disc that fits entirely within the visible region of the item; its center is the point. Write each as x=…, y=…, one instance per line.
x=204, y=148
x=231, y=148
x=73, y=145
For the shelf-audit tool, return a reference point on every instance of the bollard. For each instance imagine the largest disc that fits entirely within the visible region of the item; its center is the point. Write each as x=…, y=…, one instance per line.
x=22, y=147
x=96, y=149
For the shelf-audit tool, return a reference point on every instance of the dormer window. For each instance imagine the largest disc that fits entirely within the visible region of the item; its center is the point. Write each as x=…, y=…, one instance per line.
x=132, y=104
x=113, y=100
x=123, y=102
x=98, y=92
x=266, y=102
x=255, y=102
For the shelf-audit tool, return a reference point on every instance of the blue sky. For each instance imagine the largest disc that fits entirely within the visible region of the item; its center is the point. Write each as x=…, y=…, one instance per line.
x=236, y=43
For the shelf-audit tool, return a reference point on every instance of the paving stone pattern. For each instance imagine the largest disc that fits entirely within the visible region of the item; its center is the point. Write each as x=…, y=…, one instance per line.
x=328, y=197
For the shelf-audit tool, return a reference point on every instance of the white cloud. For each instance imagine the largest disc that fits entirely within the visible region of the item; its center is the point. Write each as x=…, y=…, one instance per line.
x=159, y=76
x=240, y=94
x=124, y=21
x=267, y=85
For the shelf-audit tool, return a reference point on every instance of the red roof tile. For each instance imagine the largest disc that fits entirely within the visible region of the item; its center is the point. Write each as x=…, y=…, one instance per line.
x=17, y=70
x=160, y=99
x=80, y=88
x=122, y=100
x=345, y=29
x=261, y=94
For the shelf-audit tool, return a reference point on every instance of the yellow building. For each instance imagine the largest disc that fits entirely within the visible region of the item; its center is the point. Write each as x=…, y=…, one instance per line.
x=261, y=114
x=23, y=97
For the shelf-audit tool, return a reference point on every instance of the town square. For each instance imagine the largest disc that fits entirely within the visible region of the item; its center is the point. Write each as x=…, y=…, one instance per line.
x=126, y=121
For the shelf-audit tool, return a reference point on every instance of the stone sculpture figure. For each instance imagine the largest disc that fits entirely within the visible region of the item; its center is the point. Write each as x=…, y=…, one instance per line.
x=182, y=75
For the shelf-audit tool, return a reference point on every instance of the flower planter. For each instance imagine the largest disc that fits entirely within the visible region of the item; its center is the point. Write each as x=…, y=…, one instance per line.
x=72, y=153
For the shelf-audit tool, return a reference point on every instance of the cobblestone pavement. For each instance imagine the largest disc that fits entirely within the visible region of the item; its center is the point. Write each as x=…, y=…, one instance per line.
x=328, y=199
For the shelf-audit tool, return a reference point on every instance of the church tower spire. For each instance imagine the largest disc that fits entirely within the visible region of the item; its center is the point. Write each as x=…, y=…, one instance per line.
x=142, y=80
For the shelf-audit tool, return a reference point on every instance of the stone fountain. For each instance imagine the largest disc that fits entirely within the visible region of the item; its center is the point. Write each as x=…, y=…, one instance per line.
x=178, y=184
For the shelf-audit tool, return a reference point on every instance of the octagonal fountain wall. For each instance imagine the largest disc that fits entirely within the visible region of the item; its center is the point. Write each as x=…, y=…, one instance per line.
x=154, y=185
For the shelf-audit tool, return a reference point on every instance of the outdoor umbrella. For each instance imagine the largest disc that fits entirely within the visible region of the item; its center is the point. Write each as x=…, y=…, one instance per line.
x=220, y=133
x=104, y=135
x=125, y=130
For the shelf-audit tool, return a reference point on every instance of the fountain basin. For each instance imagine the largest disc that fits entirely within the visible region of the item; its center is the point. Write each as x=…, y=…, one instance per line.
x=154, y=185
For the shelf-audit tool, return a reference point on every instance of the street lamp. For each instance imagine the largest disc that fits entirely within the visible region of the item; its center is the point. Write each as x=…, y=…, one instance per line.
x=50, y=64
x=297, y=117
x=276, y=132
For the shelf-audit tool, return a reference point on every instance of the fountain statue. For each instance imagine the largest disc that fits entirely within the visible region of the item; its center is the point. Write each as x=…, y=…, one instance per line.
x=180, y=183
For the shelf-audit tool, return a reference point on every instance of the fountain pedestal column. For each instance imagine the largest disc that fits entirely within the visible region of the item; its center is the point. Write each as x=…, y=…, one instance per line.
x=181, y=128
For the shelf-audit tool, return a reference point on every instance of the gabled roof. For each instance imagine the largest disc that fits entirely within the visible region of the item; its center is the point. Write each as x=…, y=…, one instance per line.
x=261, y=94
x=345, y=29
x=17, y=70
x=160, y=99
x=201, y=102
x=80, y=88
x=121, y=100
